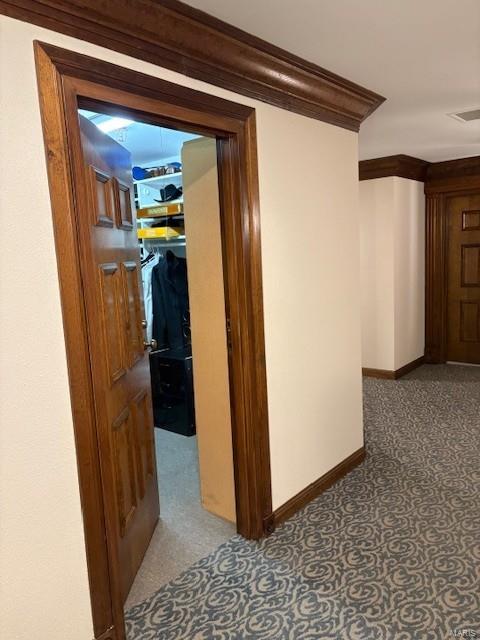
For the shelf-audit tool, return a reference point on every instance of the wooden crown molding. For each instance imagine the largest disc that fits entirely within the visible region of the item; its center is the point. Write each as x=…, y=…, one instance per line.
x=171, y=34
x=454, y=168
x=438, y=176
x=453, y=175
x=400, y=165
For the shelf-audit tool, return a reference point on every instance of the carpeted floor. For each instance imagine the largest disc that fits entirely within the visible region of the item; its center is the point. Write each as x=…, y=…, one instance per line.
x=185, y=532
x=391, y=552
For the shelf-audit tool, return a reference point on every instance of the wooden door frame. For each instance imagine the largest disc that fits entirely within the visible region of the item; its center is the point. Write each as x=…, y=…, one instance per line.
x=437, y=192
x=64, y=77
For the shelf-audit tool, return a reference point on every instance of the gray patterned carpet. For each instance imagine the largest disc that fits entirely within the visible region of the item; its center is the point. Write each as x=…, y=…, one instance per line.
x=391, y=552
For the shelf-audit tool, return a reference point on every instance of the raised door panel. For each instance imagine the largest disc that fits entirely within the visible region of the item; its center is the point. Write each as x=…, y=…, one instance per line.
x=471, y=220
x=470, y=261
x=124, y=462
x=123, y=205
x=143, y=427
x=133, y=311
x=113, y=320
x=103, y=197
x=469, y=322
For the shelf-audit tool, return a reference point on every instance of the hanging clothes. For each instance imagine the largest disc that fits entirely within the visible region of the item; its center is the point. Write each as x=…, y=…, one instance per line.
x=171, y=317
x=147, y=269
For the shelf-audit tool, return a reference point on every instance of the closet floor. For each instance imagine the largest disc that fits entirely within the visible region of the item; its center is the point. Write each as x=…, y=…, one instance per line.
x=185, y=532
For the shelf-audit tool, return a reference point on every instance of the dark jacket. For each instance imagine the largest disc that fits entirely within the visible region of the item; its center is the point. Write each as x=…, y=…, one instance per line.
x=170, y=302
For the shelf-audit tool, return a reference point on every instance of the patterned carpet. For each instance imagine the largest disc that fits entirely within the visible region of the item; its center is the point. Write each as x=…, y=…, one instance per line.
x=391, y=552
x=175, y=547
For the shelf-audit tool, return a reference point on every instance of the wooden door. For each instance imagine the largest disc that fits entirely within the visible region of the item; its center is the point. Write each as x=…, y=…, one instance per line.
x=463, y=320
x=119, y=363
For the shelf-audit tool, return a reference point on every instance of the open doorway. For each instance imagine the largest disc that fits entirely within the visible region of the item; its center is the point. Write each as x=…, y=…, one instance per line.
x=175, y=201
x=99, y=267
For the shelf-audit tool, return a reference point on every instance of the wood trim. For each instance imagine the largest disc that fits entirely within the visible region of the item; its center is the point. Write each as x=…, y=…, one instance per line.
x=386, y=374
x=314, y=489
x=436, y=243
x=460, y=168
x=410, y=366
x=109, y=634
x=444, y=179
x=200, y=46
x=400, y=165
x=76, y=341
x=450, y=175
x=64, y=78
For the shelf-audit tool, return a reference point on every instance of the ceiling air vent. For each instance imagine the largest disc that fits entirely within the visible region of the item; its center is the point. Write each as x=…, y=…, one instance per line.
x=466, y=116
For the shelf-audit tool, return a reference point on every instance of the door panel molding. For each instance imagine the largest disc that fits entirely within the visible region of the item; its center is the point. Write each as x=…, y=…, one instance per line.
x=144, y=444
x=124, y=451
x=64, y=78
x=123, y=205
x=112, y=305
x=100, y=181
x=133, y=311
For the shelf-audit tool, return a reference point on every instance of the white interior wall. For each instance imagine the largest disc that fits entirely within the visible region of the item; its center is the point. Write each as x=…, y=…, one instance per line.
x=311, y=298
x=377, y=272
x=409, y=280
x=392, y=249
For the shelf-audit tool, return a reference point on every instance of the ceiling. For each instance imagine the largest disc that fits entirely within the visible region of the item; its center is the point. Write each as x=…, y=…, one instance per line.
x=147, y=143
x=422, y=55
x=150, y=144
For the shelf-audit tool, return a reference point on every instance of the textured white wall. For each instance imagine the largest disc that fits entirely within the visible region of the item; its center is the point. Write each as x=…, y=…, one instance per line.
x=409, y=243
x=43, y=571
x=310, y=252
x=392, y=249
x=377, y=272
x=312, y=306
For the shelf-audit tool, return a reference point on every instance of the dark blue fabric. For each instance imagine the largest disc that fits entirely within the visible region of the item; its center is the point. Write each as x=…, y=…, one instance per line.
x=170, y=301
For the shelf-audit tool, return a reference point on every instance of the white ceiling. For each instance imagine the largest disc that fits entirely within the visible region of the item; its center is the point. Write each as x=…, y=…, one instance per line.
x=148, y=144
x=422, y=55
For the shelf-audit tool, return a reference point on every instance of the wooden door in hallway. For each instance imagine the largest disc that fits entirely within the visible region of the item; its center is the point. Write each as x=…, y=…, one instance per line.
x=463, y=213
x=95, y=239
x=119, y=362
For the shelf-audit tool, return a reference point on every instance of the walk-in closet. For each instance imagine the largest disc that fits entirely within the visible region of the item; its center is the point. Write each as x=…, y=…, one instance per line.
x=176, y=208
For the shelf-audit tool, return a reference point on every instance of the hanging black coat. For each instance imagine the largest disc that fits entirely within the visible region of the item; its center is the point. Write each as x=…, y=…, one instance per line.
x=170, y=302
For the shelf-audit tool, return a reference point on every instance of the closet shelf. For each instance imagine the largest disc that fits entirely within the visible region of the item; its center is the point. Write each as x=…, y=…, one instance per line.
x=159, y=218
x=173, y=208
x=160, y=232
x=158, y=181
x=176, y=241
